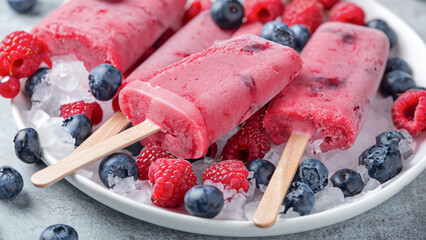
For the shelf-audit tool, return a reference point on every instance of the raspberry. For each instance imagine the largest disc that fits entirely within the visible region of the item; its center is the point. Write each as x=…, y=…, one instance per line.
x=20, y=54
x=147, y=156
x=409, y=111
x=196, y=7
x=171, y=178
x=231, y=173
x=305, y=12
x=348, y=13
x=92, y=111
x=263, y=10
x=9, y=87
x=247, y=144
x=328, y=3
x=256, y=120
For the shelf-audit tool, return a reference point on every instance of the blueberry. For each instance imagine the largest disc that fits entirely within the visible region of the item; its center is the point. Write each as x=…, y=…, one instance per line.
x=301, y=197
x=398, y=64
x=22, y=6
x=278, y=32
x=104, y=81
x=11, y=182
x=227, y=14
x=302, y=36
x=383, y=26
x=395, y=83
x=383, y=161
x=136, y=147
x=349, y=181
x=418, y=88
x=314, y=173
x=389, y=137
x=34, y=80
x=117, y=164
x=263, y=171
x=27, y=145
x=59, y=232
x=204, y=201
x=79, y=126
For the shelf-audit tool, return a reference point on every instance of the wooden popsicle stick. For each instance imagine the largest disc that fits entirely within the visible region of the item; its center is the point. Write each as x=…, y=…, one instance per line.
x=267, y=211
x=84, y=157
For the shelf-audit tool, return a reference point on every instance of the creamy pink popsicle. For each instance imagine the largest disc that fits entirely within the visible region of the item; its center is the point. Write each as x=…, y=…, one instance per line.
x=330, y=98
x=197, y=35
x=249, y=28
x=99, y=31
x=200, y=98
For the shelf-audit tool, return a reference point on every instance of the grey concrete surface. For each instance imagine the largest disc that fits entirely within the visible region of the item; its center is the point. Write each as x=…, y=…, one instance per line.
x=25, y=217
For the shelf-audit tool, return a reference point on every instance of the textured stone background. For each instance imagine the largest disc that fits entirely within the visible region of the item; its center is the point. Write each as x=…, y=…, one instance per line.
x=25, y=217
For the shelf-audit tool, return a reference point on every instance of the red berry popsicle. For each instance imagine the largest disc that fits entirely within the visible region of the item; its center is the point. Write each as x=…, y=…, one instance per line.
x=190, y=104
x=343, y=66
x=329, y=100
x=199, y=99
x=98, y=31
x=197, y=35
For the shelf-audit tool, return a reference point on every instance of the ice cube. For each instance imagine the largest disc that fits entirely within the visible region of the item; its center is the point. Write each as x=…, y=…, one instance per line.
x=405, y=147
x=327, y=198
x=314, y=148
x=122, y=186
x=251, y=189
x=363, y=171
x=371, y=185
x=250, y=209
x=273, y=155
x=143, y=193
x=37, y=117
x=199, y=167
x=233, y=209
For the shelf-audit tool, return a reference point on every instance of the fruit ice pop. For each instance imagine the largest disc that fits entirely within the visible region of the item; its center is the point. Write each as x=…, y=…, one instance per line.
x=253, y=28
x=330, y=98
x=199, y=34
x=200, y=98
x=115, y=32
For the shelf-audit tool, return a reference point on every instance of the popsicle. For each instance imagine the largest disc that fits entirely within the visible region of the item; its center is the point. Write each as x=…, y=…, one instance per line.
x=328, y=101
x=199, y=34
x=188, y=105
x=249, y=28
x=115, y=32
x=202, y=97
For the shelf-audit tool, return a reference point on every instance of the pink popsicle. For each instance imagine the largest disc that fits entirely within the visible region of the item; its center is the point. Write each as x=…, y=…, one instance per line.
x=249, y=28
x=99, y=31
x=199, y=34
x=330, y=98
x=199, y=99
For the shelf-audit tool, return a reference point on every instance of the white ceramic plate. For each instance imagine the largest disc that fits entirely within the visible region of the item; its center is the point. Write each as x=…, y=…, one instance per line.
x=410, y=47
